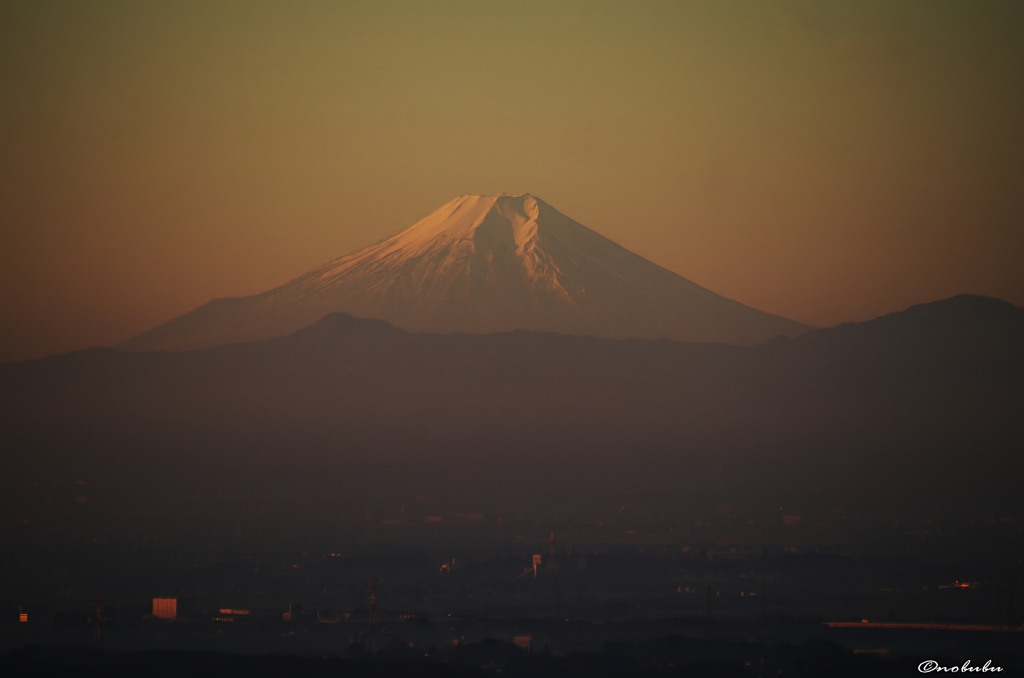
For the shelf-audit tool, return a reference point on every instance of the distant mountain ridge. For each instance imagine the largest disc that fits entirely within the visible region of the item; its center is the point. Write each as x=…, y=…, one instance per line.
x=924, y=400
x=485, y=264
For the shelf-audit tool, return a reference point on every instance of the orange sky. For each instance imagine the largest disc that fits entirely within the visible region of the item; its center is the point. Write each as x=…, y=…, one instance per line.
x=823, y=161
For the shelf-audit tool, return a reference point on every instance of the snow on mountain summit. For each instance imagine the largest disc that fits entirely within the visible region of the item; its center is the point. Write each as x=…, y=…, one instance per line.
x=485, y=264
x=469, y=244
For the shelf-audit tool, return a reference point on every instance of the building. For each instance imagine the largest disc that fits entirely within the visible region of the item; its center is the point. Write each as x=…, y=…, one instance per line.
x=165, y=608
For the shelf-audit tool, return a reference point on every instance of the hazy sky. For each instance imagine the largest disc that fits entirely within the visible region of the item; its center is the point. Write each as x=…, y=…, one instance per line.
x=826, y=161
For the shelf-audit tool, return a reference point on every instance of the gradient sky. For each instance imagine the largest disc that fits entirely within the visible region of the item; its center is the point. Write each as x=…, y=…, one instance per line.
x=826, y=161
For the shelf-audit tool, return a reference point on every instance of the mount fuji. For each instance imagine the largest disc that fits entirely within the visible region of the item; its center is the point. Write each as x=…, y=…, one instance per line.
x=482, y=264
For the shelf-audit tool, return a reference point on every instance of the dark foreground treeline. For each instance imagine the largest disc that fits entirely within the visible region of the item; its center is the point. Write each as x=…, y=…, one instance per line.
x=670, y=656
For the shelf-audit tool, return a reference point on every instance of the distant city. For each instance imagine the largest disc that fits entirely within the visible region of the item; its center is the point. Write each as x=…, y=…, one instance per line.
x=417, y=579
x=586, y=338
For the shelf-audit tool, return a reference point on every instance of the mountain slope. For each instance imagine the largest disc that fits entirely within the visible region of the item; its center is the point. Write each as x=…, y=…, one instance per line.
x=485, y=264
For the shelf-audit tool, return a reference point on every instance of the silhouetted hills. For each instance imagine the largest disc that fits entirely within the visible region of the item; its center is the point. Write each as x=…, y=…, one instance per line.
x=966, y=321
x=926, y=400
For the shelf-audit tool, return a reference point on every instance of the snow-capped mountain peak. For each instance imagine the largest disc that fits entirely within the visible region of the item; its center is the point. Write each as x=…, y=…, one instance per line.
x=486, y=264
